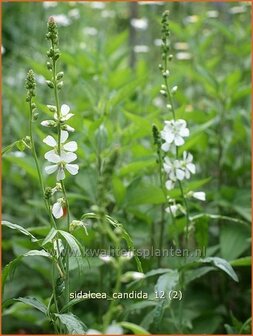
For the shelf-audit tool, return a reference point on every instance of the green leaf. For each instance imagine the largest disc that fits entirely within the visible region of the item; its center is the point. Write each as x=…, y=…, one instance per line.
x=197, y=273
x=9, y=269
x=201, y=231
x=135, y=167
x=20, y=145
x=71, y=304
x=49, y=238
x=167, y=282
x=246, y=261
x=8, y=148
x=233, y=240
x=72, y=242
x=143, y=193
x=32, y=301
x=20, y=229
x=223, y=265
x=137, y=330
x=72, y=324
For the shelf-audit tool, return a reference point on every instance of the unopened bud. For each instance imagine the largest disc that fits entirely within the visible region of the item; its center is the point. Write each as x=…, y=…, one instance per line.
x=60, y=85
x=50, y=84
x=52, y=108
x=60, y=75
x=174, y=89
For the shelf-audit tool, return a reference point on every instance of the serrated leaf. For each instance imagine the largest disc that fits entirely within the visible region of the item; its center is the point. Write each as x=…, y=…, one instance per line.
x=73, y=325
x=32, y=301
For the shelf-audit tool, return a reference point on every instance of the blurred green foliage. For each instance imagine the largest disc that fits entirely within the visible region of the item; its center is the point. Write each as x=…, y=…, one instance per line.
x=112, y=84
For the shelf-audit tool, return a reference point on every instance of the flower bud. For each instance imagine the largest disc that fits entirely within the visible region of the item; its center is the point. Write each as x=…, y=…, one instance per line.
x=48, y=192
x=35, y=115
x=174, y=89
x=48, y=123
x=60, y=85
x=170, y=57
x=52, y=108
x=49, y=66
x=60, y=75
x=166, y=73
x=50, y=84
x=163, y=92
x=129, y=276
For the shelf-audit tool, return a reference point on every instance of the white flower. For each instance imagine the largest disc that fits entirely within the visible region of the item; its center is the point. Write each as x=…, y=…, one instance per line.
x=62, y=162
x=68, y=128
x=200, y=195
x=64, y=113
x=70, y=146
x=173, y=169
x=172, y=209
x=187, y=165
x=57, y=209
x=48, y=123
x=175, y=131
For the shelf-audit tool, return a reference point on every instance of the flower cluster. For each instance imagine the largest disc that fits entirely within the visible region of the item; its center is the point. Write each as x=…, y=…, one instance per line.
x=62, y=152
x=175, y=131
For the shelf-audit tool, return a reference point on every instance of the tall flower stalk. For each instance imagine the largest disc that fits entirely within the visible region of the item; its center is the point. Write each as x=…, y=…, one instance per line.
x=174, y=166
x=62, y=153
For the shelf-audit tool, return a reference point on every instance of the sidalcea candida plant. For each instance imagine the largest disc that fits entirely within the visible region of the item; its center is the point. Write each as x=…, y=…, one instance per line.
x=60, y=243
x=175, y=166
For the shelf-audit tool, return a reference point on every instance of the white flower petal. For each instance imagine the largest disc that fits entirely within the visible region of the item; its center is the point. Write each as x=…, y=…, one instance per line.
x=69, y=128
x=167, y=136
x=70, y=146
x=165, y=147
x=172, y=209
x=179, y=141
x=184, y=132
x=46, y=123
x=200, y=195
x=72, y=168
x=191, y=167
x=169, y=184
x=68, y=116
x=68, y=157
x=50, y=141
x=60, y=174
x=51, y=169
x=180, y=123
x=51, y=156
x=180, y=174
x=64, y=136
x=57, y=210
x=65, y=109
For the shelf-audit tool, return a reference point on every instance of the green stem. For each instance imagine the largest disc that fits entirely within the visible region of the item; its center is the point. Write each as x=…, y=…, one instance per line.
x=56, y=96
x=47, y=205
x=179, y=182
x=109, y=314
